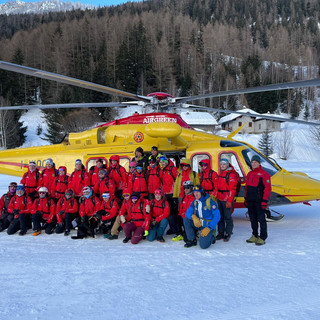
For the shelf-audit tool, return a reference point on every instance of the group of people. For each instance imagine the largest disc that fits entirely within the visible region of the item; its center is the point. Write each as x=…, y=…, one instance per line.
x=143, y=202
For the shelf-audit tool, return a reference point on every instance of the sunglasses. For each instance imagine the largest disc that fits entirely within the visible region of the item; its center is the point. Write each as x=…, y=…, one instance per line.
x=126, y=195
x=203, y=164
x=69, y=194
x=186, y=187
x=134, y=198
x=185, y=165
x=42, y=192
x=132, y=167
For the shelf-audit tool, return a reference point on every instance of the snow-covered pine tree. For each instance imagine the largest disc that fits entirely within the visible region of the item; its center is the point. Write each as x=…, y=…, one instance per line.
x=265, y=144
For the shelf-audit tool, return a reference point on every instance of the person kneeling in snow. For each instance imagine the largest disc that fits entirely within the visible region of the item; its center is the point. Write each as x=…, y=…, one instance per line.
x=138, y=219
x=159, y=212
x=203, y=215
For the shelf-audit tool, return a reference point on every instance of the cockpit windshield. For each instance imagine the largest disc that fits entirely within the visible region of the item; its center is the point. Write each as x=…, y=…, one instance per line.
x=267, y=164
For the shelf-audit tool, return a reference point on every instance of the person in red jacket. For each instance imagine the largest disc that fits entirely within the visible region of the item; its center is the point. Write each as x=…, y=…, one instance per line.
x=225, y=190
x=32, y=181
x=88, y=208
x=43, y=212
x=79, y=179
x=66, y=210
x=176, y=221
x=121, y=217
x=207, y=176
x=104, y=184
x=19, y=207
x=60, y=184
x=138, y=219
x=118, y=174
x=169, y=175
x=159, y=213
x=107, y=213
x=49, y=175
x=154, y=177
x=94, y=172
x=257, y=194
x=138, y=182
x=5, y=217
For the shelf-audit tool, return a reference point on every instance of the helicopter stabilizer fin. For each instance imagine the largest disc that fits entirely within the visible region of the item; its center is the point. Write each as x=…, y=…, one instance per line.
x=232, y=134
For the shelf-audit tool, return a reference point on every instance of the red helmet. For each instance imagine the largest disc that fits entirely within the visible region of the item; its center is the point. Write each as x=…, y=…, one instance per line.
x=115, y=157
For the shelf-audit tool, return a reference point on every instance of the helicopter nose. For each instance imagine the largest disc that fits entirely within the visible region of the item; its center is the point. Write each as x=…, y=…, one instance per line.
x=299, y=187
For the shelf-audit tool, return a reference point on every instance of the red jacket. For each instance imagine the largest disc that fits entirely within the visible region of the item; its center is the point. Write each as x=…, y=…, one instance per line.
x=154, y=178
x=68, y=206
x=258, y=185
x=225, y=191
x=169, y=176
x=208, y=177
x=23, y=204
x=59, y=185
x=138, y=183
x=159, y=209
x=185, y=203
x=78, y=180
x=89, y=207
x=48, y=177
x=111, y=207
x=31, y=181
x=4, y=202
x=125, y=207
x=138, y=215
x=119, y=175
x=105, y=185
x=94, y=174
x=46, y=206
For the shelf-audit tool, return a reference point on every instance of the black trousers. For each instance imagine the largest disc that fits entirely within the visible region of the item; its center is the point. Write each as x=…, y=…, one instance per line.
x=5, y=221
x=20, y=223
x=176, y=223
x=37, y=220
x=257, y=216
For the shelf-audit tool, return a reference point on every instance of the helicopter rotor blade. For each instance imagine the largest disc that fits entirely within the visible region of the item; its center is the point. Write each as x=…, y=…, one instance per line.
x=257, y=115
x=68, y=80
x=66, y=106
x=270, y=87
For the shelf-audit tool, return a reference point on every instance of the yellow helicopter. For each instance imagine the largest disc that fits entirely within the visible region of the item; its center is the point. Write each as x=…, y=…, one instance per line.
x=167, y=131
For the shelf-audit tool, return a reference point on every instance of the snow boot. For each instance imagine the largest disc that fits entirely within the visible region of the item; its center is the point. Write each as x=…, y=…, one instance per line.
x=190, y=244
x=113, y=237
x=36, y=233
x=126, y=240
x=260, y=242
x=219, y=236
x=253, y=239
x=226, y=238
x=66, y=233
x=179, y=237
x=160, y=239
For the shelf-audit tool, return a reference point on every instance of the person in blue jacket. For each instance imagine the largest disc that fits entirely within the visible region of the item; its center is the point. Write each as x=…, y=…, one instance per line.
x=203, y=215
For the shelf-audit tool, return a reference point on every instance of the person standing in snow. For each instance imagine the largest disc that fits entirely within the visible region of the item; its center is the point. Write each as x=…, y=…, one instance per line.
x=226, y=186
x=257, y=193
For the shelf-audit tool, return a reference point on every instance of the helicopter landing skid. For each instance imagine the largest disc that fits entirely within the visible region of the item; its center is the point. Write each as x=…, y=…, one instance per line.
x=269, y=216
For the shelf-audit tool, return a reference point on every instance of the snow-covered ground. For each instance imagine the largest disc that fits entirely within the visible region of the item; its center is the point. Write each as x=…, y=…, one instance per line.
x=55, y=277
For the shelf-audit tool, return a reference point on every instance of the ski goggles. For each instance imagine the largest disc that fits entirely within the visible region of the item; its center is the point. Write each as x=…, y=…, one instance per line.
x=202, y=164
x=126, y=195
x=134, y=198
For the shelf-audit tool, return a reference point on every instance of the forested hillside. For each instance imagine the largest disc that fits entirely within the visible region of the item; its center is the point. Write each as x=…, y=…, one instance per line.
x=182, y=47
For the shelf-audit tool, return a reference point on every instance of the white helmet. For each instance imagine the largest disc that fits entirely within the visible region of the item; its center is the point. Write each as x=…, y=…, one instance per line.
x=43, y=189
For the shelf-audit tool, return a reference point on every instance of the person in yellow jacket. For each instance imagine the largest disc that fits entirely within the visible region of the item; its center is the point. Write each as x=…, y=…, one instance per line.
x=185, y=173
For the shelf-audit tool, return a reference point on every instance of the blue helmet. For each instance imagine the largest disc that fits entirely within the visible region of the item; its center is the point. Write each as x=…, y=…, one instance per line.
x=198, y=188
x=20, y=188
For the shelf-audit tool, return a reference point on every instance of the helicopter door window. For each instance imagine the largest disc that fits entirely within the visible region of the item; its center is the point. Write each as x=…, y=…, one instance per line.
x=196, y=159
x=231, y=157
x=125, y=163
x=92, y=162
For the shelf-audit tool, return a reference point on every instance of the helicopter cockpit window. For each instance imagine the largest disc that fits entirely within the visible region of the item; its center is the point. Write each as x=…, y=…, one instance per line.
x=267, y=165
x=231, y=157
x=196, y=159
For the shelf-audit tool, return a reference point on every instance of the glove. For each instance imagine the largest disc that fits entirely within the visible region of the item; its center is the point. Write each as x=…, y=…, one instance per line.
x=60, y=213
x=264, y=205
x=205, y=231
x=123, y=219
x=15, y=212
x=196, y=221
x=228, y=205
x=99, y=214
x=153, y=223
x=146, y=233
x=245, y=203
